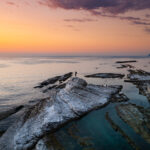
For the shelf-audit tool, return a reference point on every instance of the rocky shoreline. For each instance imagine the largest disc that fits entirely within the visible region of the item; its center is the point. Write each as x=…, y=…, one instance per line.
x=32, y=127
x=65, y=104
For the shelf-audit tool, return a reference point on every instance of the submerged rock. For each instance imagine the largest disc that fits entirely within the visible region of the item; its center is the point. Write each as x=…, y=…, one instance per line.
x=118, y=129
x=137, y=117
x=63, y=105
x=105, y=75
x=128, y=61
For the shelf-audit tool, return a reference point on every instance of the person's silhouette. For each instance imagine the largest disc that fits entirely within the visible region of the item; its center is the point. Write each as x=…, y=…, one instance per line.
x=75, y=74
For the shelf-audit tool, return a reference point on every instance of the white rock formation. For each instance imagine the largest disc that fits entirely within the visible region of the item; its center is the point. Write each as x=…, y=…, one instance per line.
x=64, y=105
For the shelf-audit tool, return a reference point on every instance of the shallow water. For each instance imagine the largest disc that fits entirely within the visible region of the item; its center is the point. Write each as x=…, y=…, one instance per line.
x=19, y=76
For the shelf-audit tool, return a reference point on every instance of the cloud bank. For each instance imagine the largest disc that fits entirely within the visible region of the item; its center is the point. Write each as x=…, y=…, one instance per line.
x=105, y=8
x=112, y=6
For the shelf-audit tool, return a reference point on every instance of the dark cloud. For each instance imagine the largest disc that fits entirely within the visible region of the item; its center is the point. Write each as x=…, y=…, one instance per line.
x=113, y=6
x=79, y=20
x=141, y=23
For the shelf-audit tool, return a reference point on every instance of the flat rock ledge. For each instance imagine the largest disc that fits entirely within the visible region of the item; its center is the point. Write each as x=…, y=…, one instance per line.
x=127, y=61
x=73, y=101
x=105, y=75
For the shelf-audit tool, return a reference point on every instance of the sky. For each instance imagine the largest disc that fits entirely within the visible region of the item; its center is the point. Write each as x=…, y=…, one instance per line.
x=104, y=27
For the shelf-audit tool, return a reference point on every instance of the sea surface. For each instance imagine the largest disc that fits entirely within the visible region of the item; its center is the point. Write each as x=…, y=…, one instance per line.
x=18, y=76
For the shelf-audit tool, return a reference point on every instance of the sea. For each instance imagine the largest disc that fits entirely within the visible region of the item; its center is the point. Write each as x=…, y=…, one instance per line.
x=19, y=76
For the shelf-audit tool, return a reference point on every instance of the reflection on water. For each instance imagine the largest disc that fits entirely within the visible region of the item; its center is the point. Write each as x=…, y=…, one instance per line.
x=92, y=132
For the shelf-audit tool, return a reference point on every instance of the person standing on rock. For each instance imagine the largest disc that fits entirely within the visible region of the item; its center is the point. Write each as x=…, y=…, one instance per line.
x=75, y=73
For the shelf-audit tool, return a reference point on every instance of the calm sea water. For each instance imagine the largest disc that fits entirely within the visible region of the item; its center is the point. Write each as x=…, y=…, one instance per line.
x=20, y=74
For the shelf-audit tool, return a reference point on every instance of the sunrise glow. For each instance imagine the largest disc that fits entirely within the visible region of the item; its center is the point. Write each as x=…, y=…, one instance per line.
x=38, y=27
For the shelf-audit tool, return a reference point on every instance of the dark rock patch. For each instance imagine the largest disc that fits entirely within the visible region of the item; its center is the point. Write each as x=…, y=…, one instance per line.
x=125, y=66
x=6, y=113
x=105, y=75
x=53, y=80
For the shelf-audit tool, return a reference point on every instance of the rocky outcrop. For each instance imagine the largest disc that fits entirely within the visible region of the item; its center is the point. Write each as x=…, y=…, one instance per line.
x=64, y=105
x=105, y=75
x=71, y=102
x=136, y=117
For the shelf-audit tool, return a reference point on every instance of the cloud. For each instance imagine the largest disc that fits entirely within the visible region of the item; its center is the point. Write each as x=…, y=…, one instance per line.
x=147, y=30
x=79, y=20
x=112, y=6
x=141, y=23
x=10, y=3
x=147, y=15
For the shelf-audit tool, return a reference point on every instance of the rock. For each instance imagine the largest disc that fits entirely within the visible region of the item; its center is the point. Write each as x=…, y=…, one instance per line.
x=125, y=66
x=137, y=117
x=63, y=105
x=49, y=142
x=138, y=75
x=49, y=81
x=4, y=114
x=128, y=61
x=10, y=120
x=105, y=75
x=120, y=97
x=53, y=80
x=142, y=80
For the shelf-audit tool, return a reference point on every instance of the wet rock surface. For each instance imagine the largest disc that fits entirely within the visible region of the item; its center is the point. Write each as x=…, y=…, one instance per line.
x=64, y=104
x=136, y=117
x=105, y=75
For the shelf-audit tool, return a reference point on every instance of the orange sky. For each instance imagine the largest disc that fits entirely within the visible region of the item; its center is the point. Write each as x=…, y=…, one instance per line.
x=30, y=27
